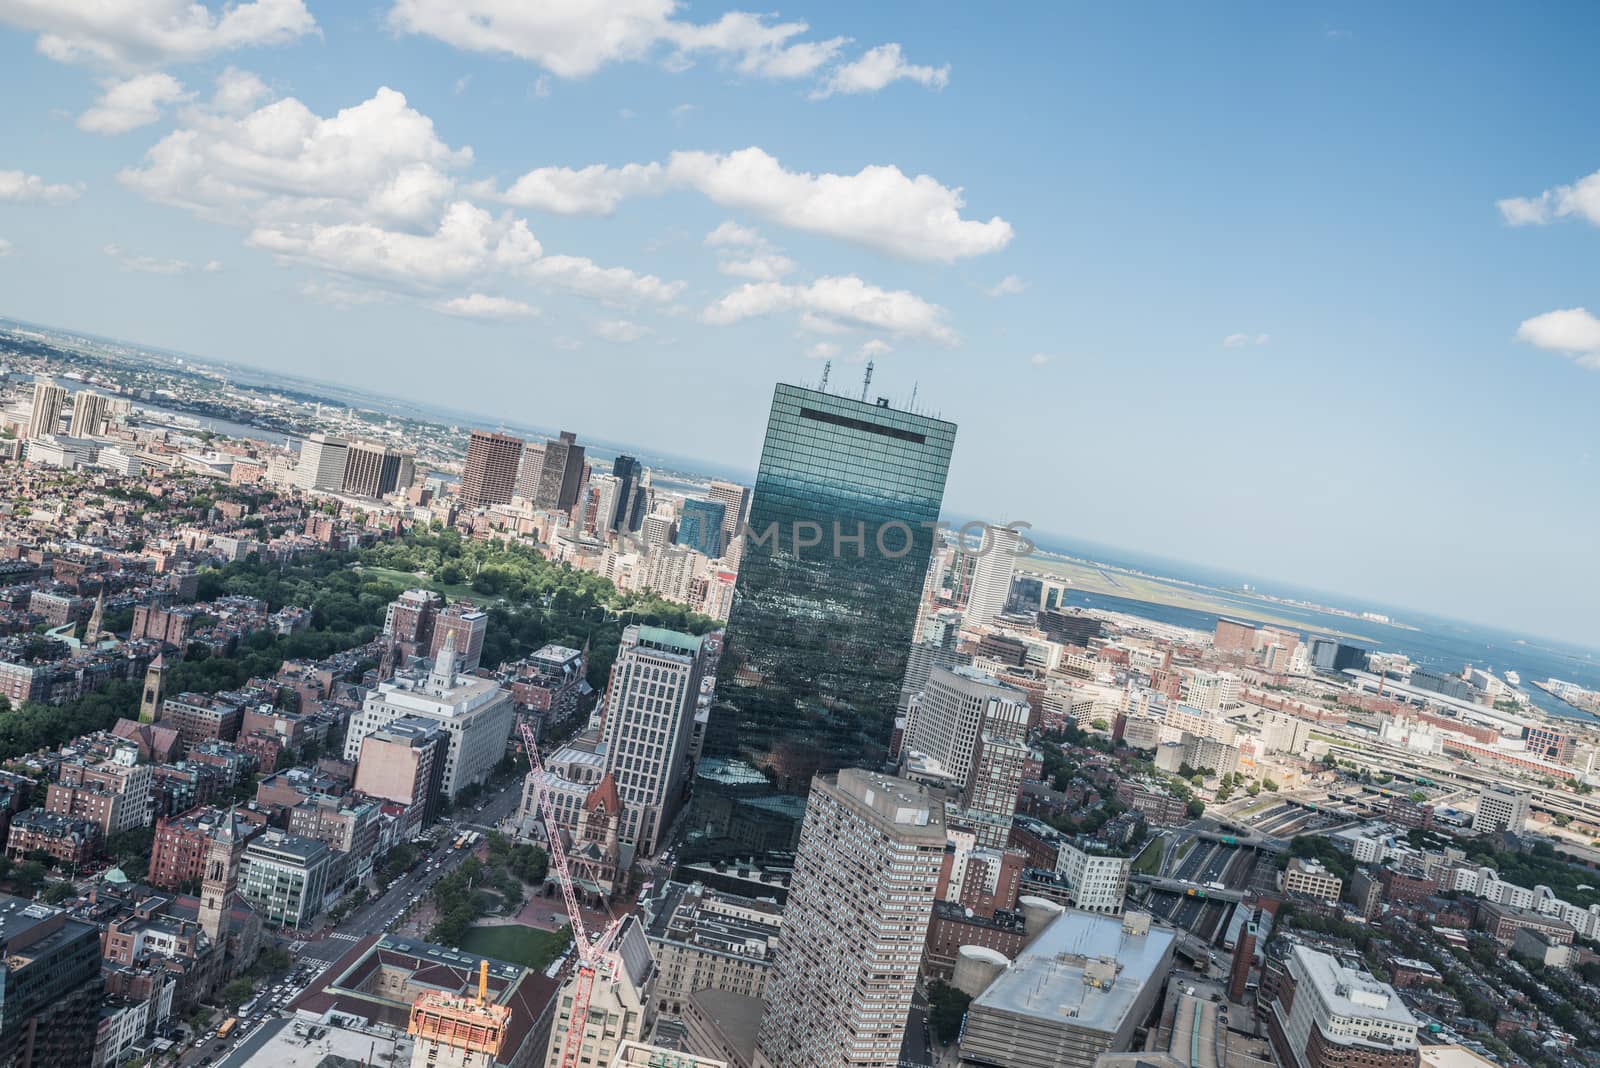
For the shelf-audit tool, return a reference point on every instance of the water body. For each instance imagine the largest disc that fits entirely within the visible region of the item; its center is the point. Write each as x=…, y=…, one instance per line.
x=181, y=421
x=1443, y=645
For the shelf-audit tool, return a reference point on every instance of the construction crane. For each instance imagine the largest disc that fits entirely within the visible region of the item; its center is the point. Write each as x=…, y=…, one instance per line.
x=590, y=954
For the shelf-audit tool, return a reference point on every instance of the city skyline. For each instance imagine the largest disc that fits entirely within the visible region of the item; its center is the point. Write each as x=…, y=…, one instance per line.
x=1138, y=265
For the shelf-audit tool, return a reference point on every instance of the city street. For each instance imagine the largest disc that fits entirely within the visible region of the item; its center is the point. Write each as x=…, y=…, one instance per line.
x=375, y=917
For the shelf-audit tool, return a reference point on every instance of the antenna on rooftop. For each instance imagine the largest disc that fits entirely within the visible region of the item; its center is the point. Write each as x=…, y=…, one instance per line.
x=866, y=383
x=913, y=404
x=826, y=369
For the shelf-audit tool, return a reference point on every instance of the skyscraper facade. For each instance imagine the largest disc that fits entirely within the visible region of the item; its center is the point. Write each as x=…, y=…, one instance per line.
x=628, y=470
x=650, y=706
x=372, y=470
x=322, y=462
x=45, y=417
x=855, y=924
x=700, y=525
x=490, y=474
x=562, y=473
x=89, y=414
x=825, y=607
x=737, y=499
x=991, y=579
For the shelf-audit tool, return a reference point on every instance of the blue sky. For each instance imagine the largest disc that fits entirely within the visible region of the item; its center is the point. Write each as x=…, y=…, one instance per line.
x=1380, y=207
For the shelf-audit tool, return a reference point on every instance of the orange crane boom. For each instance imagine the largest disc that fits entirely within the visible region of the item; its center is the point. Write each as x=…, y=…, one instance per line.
x=589, y=953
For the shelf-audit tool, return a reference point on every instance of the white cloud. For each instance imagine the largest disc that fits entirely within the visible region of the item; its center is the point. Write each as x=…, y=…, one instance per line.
x=341, y=296
x=146, y=264
x=1581, y=199
x=874, y=347
x=129, y=104
x=238, y=91
x=1573, y=332
x=581, y=275
x=764, y=267
x=371, y=193
x=731, y=233
x=468, y=244
x=822, y=350
x=5, y=247
x=844, y=301
x=575, y=38
x=1039, y=359
x=879, y=207
x=877, y=68
x=31, y=189
x=483, y=306
x=621, y=331
x=378, y=160
x=1239, y=341
x=212, y=266
x=1008, y=286
x=592, y=190
x=133, y=34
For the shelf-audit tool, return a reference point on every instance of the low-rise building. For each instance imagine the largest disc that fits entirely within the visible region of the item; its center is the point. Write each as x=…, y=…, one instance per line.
x=1311, y=878
x=705, y=940
x=285, y=877
x=1327, y=1015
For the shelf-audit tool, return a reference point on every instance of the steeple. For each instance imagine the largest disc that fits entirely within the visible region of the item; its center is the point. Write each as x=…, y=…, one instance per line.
x=443, y=676
x=91, y=633
x=150, y=703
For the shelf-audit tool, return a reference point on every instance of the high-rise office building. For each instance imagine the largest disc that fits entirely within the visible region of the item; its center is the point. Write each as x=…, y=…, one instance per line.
x=1501, y=808
x=467, y=624
x=700, y=526
x=825, y=607
x=855, y=924
x=561, y=474
x=490, y=474
x=529, y=470
x=956, y=708
x=991, y=579
x=89, y=414
x=373, y=470
x=50, y=973
x=322, y=463
x=603, y=498
x=649, y=721
x=737, y=499
x=628, y=470
x=44, y=418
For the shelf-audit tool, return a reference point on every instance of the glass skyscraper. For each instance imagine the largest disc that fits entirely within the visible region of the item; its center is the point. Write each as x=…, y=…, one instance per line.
x=840, y=532
x=700, y=526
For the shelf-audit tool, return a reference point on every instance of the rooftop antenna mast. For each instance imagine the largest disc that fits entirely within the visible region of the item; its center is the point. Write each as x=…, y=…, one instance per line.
x=914, y=386
x=827, y=368
x=866, y=383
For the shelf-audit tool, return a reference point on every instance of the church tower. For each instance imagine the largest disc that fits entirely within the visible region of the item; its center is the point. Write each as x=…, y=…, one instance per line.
x=150, y=703
x=97, y=621
x=220, y=877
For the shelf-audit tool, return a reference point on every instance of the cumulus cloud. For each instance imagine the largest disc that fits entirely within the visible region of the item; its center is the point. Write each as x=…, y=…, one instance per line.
x=575, y=39
x=1239, y=341
x=843, y=301
x=378, y=159
x=369, y=193
x=1581, y=199
x=822, y=350
x=1573, y=332
x=134, y=34
x=131, y=103
x=879, y=207
x=731, y=233
x=483, y=306
x=22, y=188
x=1008, y=286
x=1039, y=359
x=5, y=247
x=467, y=244
x=581, y=275
x=875, y=347
x=621, y=331
x=150, y=264
x=877, y=68
x=764, y=267
x=592, y=190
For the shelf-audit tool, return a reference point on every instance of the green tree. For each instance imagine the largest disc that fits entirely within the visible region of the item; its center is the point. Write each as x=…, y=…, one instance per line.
x=237, y=993
x=947, y=1009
